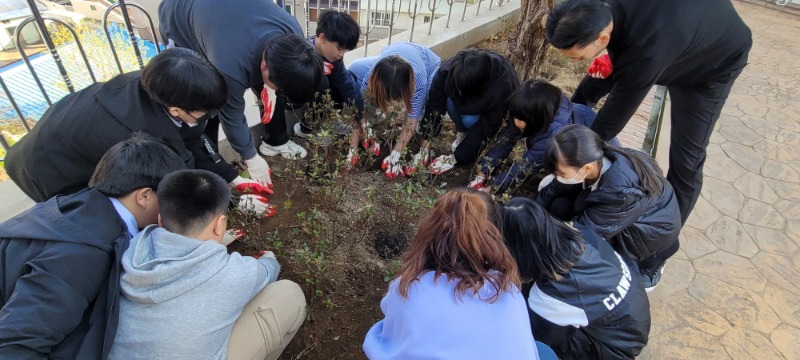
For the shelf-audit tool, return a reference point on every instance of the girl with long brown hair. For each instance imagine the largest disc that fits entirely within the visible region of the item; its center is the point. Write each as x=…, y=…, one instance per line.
x=457, y=294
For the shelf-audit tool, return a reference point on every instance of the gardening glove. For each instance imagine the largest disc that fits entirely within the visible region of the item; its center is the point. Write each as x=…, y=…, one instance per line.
x=259, y=171
x=369, y=143
x=257, y=204
x=442, y=164
x=327, y=68
x=391, y=165
x=421, y=159
x=479, y=183
x=232, y=235
x=601, y=67
x=264, y=253
x=248, y=186
x=352, y=159
x=266, y=116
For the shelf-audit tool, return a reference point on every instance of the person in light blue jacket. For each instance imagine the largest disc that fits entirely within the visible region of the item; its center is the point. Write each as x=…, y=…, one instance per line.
x=457, y=294
x=185, y=297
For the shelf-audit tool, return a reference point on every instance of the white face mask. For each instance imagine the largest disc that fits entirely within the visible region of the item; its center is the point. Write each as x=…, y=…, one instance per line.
x=191, y=125
x=571, y=181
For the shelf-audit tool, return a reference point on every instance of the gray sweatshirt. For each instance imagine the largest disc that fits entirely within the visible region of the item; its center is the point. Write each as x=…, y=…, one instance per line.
x=181, y=296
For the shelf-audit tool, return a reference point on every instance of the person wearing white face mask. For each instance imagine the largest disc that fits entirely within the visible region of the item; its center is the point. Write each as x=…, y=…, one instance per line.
x=619, y=193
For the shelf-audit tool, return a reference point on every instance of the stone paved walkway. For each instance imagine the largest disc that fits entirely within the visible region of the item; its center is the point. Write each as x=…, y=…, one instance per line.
x=733, y=291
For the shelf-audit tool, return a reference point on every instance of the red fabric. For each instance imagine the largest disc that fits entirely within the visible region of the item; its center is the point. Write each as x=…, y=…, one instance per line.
x=601, y=64
x=266, y=117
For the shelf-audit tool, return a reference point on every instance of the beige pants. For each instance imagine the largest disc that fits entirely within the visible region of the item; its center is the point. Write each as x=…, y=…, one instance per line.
x=268, y=322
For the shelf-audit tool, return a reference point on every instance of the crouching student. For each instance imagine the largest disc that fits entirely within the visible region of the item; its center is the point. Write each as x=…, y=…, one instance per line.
x=620, y=194
x=401, y=74
x=185, y=297
x=456, y=295
x=472, y=88
x=537, y=110
x=586, y=300
x=60, y=260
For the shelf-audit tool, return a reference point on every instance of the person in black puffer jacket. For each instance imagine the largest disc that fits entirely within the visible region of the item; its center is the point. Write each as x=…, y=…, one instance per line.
x=584, y=299
x=472, y=88
x=620, y=194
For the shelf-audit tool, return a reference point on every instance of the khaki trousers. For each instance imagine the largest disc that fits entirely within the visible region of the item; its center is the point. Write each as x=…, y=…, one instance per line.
x=269, y=321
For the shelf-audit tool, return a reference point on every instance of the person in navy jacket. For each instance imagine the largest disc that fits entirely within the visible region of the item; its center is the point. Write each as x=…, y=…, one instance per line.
x=585, y=300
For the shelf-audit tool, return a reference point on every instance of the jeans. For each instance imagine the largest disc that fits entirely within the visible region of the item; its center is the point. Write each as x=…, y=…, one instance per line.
x=463, y=122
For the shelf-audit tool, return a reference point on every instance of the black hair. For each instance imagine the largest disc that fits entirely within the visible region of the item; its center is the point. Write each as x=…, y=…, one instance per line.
x=577, y=22
x=535, y=103
x=543, y=247
x=294, y=66
x=188, y=200
x=138, y=162
x=183, y=78
x=470, y=72
x=339, y=27
x=392, y=79
x=577, y=145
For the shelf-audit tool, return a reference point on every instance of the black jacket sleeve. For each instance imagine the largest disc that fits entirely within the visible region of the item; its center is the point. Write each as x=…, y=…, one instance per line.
x=436, y=106
x=345, y=85
x=49, y=302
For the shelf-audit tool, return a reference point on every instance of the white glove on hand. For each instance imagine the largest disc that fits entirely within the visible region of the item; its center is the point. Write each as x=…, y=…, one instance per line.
x=442, y=164
x=391, y=165
x=478, y=183
x=259, y=170
x=352, y=159
x=248, y=186
x=421, y=159
x=257, y=204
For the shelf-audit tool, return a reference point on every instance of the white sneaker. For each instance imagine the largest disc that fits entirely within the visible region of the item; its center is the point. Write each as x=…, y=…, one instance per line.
x=298, y=131
x=459, y=138
x=290, y=150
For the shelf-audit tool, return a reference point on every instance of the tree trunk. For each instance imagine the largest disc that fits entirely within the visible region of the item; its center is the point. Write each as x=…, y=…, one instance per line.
x=528, y=48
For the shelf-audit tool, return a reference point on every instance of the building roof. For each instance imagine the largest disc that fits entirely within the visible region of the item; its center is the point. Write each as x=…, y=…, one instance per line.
x=14, y=9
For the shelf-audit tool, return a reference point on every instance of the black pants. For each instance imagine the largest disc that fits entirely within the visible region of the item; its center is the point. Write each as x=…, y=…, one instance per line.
x=695, y=109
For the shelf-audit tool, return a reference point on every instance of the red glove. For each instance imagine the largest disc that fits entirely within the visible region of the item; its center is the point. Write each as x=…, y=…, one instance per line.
x=326, y=68
x=266, y=117
x=253, y=188
x=601, y=65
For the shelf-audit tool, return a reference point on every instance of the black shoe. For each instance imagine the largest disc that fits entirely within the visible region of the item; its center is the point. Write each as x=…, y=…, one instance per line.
x=651, y=277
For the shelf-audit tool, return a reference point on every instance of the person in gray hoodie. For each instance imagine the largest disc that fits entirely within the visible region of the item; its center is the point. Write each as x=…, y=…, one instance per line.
x=185, y=297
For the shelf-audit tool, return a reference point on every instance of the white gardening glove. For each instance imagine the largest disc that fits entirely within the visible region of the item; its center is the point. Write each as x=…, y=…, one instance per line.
x=391, y=165
x=248, y=186
x=232, y=235
x=421, y=159
x=257, y=204
x=352, y=159
x=442, y=164
x=479, y=183
x=259, y=170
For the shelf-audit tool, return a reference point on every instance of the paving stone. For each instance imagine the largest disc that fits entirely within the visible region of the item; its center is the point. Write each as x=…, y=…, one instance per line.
x=786, y=190
x=775, y=151
x=728, y=120
x=727, y=234
x=752, y=107
x=788, y=137
x=771, y=240
x=748, y=344
x=793, y=231
x=787, y=339
x=714, y=150
x=779, y=270
x=784, y=303
x=744, y=156
x=722, y=168
x=680, y=255
x=740, y=134
x=723, y=196
x=782, y=119
x=694, y=243
x=753, y=186
x=741, y=307
x=732, y=269
x=703, y=214
x=717, y=138
x=683, y=343
x=677, y=276
x=761, y=127
x=755, y=212
x=697, y=315
x=663, y=317
x=779, y=171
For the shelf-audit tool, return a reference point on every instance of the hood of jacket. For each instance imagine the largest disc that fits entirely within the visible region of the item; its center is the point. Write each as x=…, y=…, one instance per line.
x=86, y=217
x=160, y=265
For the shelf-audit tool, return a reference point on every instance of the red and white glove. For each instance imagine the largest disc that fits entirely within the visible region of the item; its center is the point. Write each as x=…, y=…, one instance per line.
x=257, y=204
x=248, y=186
x=259, y=170
x=421, y=159
x=327, y=68
x=479, y=183
x=352, y=159
x=601, y=67
x=442, y=164
x=391, y=165
x=232, y=235
x=369, y=143
x=264, y=253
